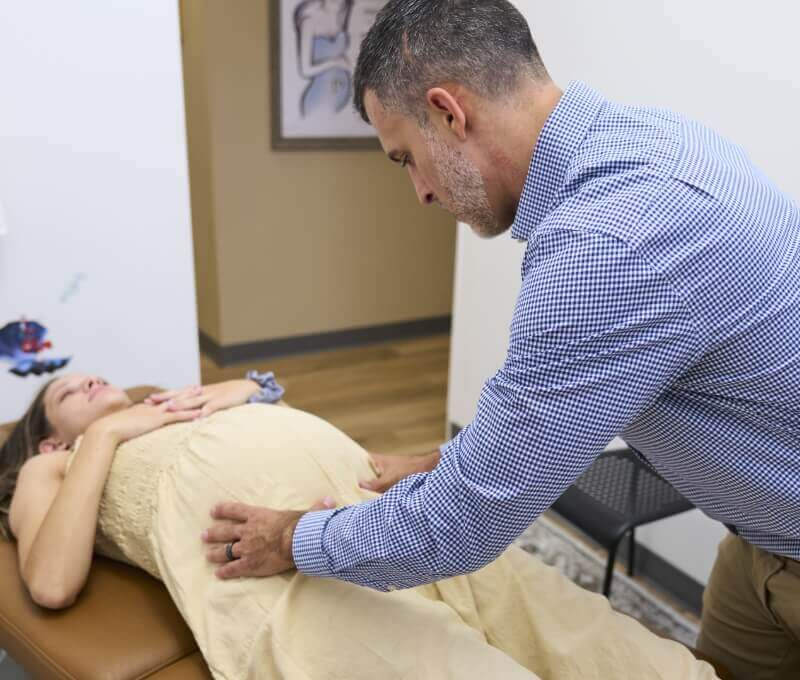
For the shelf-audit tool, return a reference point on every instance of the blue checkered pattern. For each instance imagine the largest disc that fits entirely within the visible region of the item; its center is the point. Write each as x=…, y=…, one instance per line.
x=660, y=300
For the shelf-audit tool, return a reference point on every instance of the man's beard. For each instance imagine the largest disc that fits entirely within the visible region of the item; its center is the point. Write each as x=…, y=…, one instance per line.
x=466, y=193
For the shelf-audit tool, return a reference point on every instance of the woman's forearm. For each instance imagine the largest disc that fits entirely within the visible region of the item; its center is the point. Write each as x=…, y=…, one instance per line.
x=61, y=554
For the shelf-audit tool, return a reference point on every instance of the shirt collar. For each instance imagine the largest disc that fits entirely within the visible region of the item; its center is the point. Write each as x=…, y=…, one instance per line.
x=560, y=138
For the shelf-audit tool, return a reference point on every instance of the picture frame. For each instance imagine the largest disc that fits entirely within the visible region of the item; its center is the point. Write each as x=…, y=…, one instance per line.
x=313, y=48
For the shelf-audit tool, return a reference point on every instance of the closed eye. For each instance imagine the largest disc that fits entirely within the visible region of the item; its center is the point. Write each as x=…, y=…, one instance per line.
x=402, y=161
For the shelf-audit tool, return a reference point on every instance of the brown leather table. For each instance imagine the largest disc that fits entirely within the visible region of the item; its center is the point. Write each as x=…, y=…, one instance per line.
x=122, y=626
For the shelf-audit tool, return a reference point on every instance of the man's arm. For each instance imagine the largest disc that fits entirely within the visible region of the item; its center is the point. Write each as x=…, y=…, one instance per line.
x=598, y=335
x=596, y=338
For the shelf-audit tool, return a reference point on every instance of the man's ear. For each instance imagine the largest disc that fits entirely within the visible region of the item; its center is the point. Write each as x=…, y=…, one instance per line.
x=51, y=445
x=443, y=106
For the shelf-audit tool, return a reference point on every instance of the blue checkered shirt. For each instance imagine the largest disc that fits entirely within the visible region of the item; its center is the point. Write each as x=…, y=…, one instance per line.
x=660, y=301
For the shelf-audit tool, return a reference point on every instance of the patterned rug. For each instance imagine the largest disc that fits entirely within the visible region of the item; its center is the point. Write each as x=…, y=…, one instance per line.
x=557, y=548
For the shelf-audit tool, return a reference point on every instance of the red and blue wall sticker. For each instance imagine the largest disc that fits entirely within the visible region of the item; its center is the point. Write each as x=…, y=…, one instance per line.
x=21, y=342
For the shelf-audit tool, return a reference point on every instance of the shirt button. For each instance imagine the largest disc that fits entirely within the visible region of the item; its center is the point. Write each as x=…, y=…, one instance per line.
x=391, y=589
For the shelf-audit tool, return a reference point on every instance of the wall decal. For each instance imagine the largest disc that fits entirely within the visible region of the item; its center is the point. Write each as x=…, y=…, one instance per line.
x=73, y=287
x=21, y=342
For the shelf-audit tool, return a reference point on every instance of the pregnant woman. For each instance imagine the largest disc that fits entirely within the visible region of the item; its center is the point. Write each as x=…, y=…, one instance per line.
x=86, y=471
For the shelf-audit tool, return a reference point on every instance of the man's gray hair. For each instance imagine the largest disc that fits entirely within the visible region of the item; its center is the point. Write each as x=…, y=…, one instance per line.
x=485, y=45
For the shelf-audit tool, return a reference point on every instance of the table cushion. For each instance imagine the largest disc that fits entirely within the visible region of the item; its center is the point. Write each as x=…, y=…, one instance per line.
x=191, y=667
x=123, y=625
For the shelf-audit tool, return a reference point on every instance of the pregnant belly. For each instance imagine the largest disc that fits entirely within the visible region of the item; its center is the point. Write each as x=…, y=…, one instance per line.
x=273, y=456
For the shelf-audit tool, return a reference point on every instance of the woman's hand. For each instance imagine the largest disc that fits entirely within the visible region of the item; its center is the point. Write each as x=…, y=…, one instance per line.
x=391, y=469
x=170, y=395
x=209, y=398
x=140, y=419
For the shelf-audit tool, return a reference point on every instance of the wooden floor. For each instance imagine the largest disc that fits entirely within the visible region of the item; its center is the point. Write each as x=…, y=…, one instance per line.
x=390, y=398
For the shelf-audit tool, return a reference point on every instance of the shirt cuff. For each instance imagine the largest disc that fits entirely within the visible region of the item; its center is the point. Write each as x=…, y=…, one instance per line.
x=307, y=549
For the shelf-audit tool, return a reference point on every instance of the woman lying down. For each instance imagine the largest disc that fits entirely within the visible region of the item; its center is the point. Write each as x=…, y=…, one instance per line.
x=88, y=471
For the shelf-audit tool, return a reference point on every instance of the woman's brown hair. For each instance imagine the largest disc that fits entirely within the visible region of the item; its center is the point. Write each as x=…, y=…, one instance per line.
x=22, y=444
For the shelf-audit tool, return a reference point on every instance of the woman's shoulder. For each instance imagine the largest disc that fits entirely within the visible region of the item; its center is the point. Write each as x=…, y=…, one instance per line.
x=37, y=474
x=47, y=464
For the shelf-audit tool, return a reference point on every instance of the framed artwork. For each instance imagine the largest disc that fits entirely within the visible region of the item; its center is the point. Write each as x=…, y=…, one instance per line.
x=314, y=46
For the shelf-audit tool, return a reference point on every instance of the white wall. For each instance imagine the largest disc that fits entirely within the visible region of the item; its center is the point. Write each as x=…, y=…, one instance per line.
x=94, y=190
x=730, y=63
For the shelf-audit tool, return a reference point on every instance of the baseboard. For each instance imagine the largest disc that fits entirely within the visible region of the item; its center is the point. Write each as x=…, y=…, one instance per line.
x=649, y=565
x=665, y=576
x=224, y=355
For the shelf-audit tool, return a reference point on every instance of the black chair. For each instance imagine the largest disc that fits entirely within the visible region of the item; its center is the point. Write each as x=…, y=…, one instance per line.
x=618, y=493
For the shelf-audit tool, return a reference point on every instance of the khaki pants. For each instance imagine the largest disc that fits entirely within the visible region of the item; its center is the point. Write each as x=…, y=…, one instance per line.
x=751, y=613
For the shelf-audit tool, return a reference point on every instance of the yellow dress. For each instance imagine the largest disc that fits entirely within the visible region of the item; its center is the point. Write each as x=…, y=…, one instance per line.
x=517, y=618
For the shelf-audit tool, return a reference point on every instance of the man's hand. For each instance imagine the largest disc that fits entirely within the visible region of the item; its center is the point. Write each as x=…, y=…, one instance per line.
x=391, y=469
x=262, y=539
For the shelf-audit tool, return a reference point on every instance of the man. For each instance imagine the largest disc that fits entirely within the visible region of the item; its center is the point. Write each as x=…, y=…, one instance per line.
x=660, y=300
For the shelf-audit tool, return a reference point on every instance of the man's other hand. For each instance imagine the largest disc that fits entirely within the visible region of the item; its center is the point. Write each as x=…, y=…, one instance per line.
x=391, y=469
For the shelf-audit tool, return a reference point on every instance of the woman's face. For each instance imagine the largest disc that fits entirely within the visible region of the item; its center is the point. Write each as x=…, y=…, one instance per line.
x=73, y=402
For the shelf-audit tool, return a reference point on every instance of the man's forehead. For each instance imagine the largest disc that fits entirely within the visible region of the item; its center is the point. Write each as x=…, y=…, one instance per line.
x=372, y=104
x=391, y=126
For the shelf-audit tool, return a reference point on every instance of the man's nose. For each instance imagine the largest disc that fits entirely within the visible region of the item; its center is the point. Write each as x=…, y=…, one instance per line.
x=424, y=195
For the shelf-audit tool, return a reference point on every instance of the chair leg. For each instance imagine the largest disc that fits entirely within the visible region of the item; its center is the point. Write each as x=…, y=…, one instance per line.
x=612, y=556
x=631, y=551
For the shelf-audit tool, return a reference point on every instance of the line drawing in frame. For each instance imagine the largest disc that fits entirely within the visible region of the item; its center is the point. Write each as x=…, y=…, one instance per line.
x=314, y=47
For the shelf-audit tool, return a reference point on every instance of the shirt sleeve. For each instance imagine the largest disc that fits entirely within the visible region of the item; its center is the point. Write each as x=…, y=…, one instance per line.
x=597, y=336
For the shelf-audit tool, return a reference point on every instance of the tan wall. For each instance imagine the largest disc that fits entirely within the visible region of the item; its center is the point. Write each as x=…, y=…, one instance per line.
x=305, y=242
x=193, y=27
